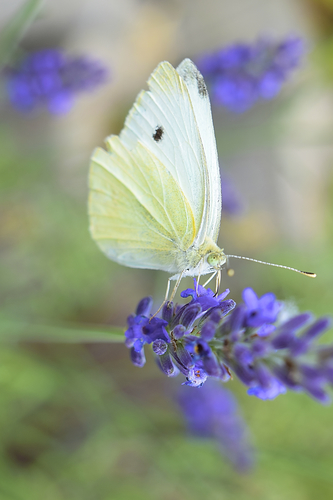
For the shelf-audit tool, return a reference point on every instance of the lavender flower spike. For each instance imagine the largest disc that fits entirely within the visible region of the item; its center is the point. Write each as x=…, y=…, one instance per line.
x=213, y=413
x=242, y=74
x=211, y=338
x=49, y=78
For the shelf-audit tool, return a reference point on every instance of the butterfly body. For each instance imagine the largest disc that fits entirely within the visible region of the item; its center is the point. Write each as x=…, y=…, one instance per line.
x=155, y=193
x=198, y=261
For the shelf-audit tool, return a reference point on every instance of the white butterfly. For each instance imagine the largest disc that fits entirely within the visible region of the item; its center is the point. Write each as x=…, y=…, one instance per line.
x=155, y=194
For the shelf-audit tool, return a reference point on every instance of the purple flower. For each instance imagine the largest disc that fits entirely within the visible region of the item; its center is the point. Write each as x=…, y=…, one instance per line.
x=204, y=356
x=49, y=78
x=241, y=74
x=177, y=349
x=232, y=204
x=160, y=347
x=270, y=364
x=143, y=331
x=213, y=413
x=274, y=389
x=196, y=376
x=260, y=311
x=205, y=297
x=211, y=338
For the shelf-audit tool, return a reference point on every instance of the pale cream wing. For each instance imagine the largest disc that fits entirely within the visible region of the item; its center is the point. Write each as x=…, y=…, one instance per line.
x=202, y=110
x=163, y=120
x=138, y=214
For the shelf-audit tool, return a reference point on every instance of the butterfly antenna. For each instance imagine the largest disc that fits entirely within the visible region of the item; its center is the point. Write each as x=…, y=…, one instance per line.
x=306, y=273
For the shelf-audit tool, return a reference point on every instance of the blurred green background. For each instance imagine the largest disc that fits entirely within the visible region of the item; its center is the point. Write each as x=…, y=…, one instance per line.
x=78, y=421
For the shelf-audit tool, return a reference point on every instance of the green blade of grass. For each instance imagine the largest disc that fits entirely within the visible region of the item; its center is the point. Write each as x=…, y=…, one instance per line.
x=12, y=33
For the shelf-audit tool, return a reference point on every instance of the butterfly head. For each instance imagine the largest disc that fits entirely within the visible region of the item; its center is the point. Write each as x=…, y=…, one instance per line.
x=217, y=259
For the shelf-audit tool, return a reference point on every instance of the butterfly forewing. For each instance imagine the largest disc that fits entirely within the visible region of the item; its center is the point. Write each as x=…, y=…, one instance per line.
x=163, y=120
x=203, y=114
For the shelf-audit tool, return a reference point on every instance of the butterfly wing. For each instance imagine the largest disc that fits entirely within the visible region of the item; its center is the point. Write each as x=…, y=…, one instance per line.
x=150, y=193
x=163, y=120
x=138, y=215
x=201, y=106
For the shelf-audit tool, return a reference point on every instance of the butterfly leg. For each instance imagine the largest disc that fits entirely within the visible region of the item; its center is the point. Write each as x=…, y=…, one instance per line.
x=199, y=276
x=167, y=293
x=210, y=279
x=218, y=282
x=176, y=286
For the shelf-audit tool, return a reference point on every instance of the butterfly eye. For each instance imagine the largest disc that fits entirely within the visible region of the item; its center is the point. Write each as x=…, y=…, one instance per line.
x=158, y=134
x=216, y=260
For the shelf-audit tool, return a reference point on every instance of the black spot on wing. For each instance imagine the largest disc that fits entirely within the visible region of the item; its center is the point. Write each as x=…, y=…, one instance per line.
x=158, y=133
x=192, y=74
x=202, y=89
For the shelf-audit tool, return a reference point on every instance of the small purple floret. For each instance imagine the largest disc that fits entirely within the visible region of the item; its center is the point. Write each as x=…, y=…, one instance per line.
x=138, y=357
x=196, y=377
x=144, y=307
x=160, y=346
x=260, y=311
x=166, y=364
x=272, y=391
x=205, y=297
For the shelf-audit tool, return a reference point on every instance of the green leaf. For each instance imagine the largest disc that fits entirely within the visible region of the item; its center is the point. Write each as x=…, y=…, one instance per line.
x=15, y=29
x=13, y=331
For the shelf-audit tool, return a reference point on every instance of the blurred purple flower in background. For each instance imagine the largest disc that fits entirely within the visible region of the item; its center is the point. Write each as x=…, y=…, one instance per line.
x=210, y=337
x=49, y=78
x=232, y=203
x=213, y=413
x=241, y=74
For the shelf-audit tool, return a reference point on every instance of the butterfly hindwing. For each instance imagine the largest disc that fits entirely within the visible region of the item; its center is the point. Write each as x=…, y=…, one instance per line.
x=138, y=215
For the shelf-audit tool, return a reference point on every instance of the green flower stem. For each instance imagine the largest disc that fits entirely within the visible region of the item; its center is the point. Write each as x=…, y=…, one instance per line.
x=14, y=331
